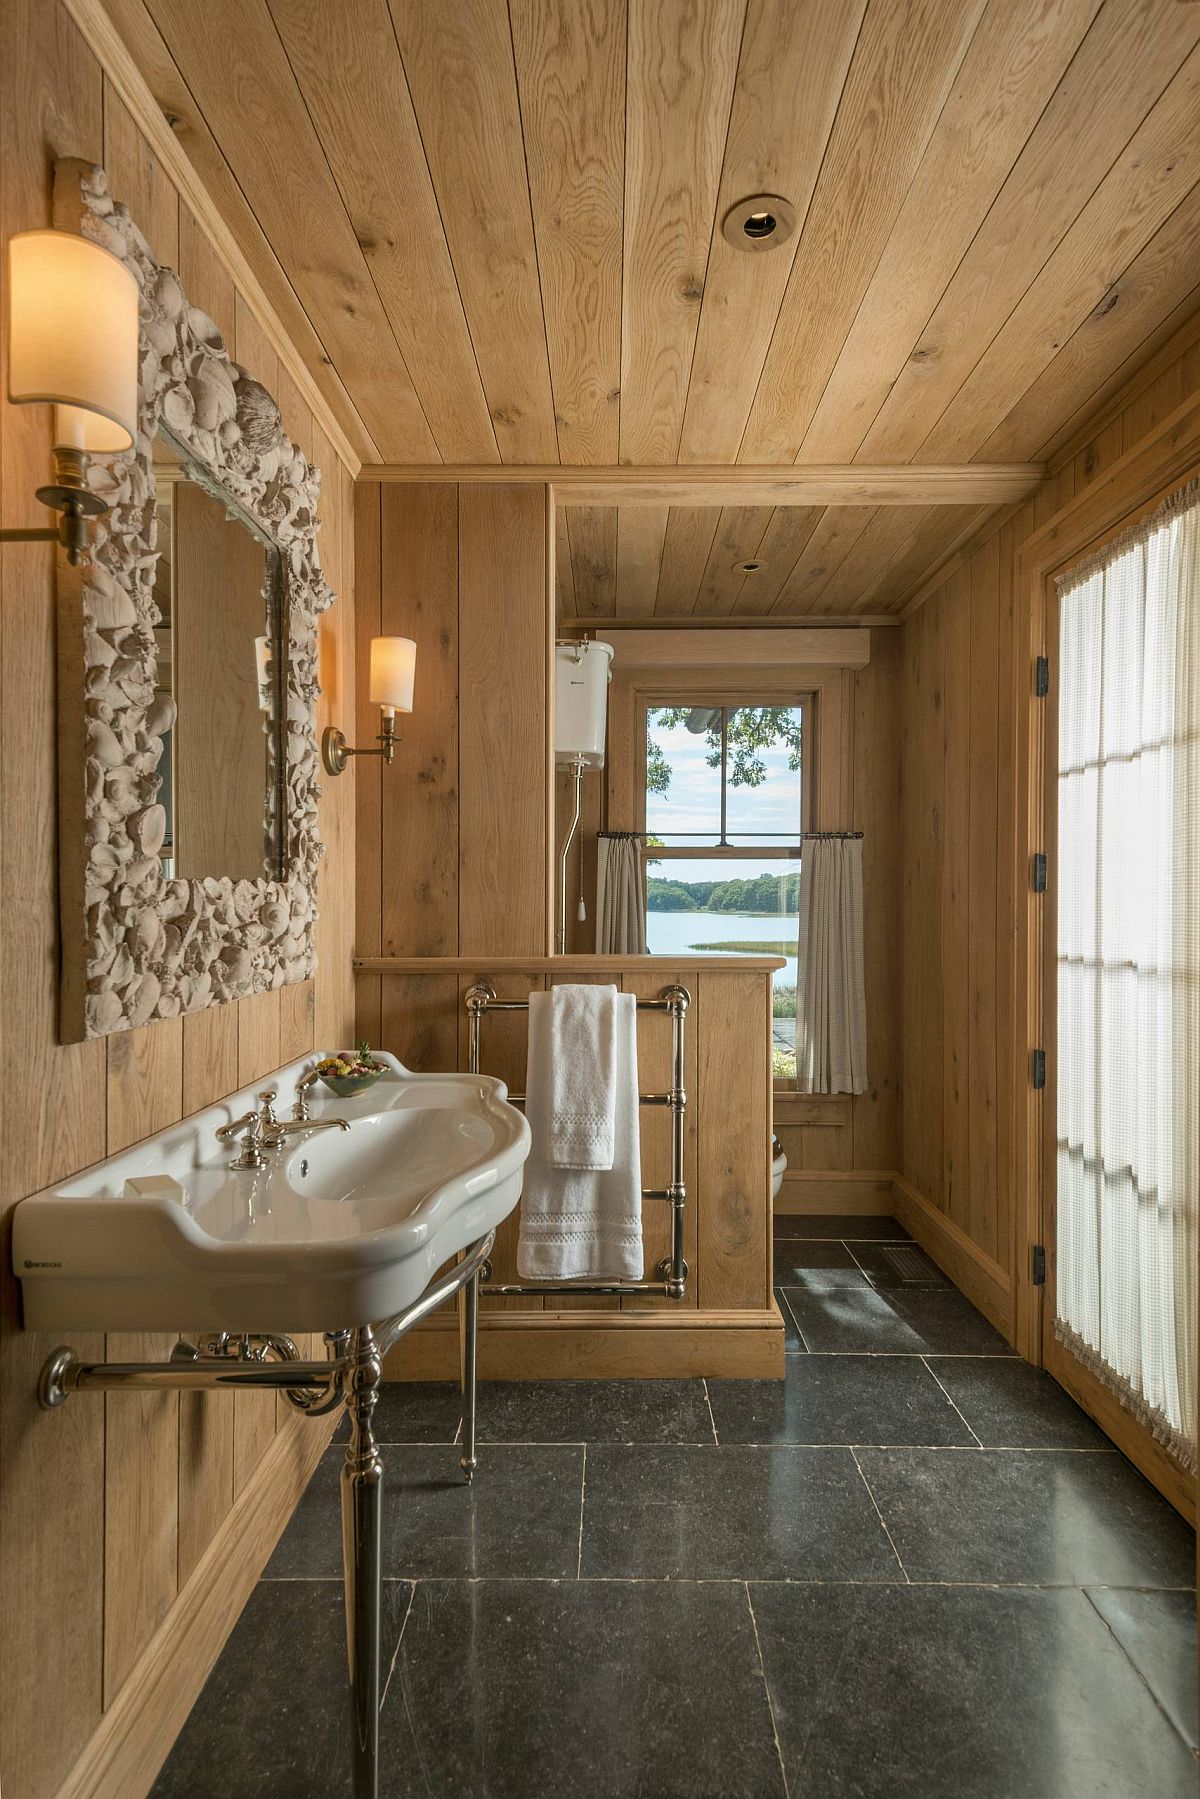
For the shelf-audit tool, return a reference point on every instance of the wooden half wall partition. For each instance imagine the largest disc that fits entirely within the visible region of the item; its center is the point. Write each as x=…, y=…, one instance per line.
x=132, y=1527
x=728, y=1323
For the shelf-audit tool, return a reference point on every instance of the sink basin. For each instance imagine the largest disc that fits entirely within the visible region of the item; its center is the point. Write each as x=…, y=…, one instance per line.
x=341, y=1229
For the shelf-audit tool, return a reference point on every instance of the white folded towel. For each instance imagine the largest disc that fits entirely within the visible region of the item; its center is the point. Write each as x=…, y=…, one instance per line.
x=582, y=1223
x=582, y=1095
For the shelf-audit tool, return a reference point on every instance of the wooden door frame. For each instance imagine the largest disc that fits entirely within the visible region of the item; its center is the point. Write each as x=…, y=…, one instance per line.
x=1134, y=486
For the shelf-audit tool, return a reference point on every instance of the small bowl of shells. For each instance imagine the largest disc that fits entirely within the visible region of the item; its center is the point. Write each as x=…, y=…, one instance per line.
x=350, y=1071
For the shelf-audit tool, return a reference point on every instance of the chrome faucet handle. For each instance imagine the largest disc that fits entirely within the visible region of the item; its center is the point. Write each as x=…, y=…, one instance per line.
x=249, y=1127
x=266, y=1100
x=300, y=1110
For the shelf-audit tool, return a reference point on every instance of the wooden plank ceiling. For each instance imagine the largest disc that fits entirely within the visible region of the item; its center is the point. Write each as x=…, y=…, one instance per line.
x=499, y=224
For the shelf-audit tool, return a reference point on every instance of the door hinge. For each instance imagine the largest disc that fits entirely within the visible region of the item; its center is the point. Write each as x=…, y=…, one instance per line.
x=1039, y=1264
x=1039, y=1068
x=1040, y=872
x=1041, y=677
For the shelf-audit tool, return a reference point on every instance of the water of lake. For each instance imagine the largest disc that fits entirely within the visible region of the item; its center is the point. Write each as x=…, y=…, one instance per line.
x=669, y=933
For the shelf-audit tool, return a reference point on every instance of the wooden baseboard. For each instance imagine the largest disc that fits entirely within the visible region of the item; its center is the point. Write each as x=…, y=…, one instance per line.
x=1130, y=1437
x=135, y=1735
x=985, y=1283
x=858, y=1194
x=609, y=1345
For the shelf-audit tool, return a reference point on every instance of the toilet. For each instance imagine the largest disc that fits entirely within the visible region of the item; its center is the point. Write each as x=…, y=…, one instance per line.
x=778, y=1166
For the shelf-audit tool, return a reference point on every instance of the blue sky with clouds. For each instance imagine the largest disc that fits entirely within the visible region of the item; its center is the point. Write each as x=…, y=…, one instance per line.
x=692, y=805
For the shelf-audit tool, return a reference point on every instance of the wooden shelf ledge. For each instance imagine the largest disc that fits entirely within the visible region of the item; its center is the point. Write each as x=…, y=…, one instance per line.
x=484, y=965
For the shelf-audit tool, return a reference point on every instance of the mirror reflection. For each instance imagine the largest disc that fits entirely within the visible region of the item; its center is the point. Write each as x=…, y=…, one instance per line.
x=218, y=586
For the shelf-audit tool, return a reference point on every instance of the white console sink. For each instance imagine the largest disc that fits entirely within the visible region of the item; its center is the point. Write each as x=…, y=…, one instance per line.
x=340, y=1229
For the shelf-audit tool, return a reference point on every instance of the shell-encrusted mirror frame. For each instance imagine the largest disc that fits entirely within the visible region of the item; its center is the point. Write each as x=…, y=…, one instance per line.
x=136, y=945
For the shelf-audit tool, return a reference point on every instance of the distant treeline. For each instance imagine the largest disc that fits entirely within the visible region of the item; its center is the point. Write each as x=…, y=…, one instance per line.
x=766, y=895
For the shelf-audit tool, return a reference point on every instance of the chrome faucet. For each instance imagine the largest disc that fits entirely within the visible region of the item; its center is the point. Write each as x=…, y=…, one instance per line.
x=284, y=1128
x=262, y=1130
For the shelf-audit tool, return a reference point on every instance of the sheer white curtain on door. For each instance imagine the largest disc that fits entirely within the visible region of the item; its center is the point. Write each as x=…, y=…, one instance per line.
x=1129, y=968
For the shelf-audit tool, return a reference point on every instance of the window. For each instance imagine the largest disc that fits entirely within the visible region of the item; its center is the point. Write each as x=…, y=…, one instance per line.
x=726, y=809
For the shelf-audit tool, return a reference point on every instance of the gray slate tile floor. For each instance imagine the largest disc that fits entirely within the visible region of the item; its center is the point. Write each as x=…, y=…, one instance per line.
x=911, y=1568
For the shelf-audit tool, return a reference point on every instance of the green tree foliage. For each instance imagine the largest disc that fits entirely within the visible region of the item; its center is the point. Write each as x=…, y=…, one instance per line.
x=766, y=895
x=751, y=729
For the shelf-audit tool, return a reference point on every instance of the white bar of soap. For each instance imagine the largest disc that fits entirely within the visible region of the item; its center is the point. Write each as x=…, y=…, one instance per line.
x=153, y=1186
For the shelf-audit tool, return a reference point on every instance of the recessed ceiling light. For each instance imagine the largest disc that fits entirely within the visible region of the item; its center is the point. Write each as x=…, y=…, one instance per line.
x=759, y=222
x=747, y=568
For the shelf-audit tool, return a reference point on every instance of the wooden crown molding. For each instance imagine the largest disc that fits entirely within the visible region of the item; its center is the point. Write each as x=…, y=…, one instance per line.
x=704, y=649
x=751, y=484
x=102, y=37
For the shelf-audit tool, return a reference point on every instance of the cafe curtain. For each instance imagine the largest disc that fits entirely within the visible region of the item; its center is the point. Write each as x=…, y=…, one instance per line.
x=831, y=1012
x=1129, y=968
x=620, y=894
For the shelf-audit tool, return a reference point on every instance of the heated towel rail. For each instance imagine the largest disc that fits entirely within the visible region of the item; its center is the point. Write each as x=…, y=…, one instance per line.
x=672, y=1271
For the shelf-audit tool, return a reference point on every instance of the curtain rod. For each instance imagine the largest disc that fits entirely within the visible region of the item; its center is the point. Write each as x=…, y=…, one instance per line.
x=803, y=837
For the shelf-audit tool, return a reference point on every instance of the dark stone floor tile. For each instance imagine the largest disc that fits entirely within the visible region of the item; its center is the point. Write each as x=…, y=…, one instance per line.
x=273, y=1718
x=1029, y=1517
x=731, y=1513
x=838, y=1399
x=889, y=1265
x=519, y=1519
x=959, y=1693
x=593, y=1411
x=918, y=1321
x=418, y=1411
x=848, y=1229
x=1010, y=1405
x=598, y=1690
x=817, y=1264
x=792, y=1341
x=1157, y=1631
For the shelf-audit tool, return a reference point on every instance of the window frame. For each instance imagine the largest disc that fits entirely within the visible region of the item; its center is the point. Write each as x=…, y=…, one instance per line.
x=808, y=701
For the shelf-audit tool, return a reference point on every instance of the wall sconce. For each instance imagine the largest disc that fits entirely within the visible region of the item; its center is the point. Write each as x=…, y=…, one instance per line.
x=72, y=342
x=393, y=663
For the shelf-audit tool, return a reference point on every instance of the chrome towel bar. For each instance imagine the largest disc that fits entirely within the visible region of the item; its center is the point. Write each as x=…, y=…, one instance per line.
x=672, y=1271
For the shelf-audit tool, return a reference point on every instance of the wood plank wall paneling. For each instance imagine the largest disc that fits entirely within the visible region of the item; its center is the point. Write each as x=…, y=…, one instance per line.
x=454, y=838
x=108, y=1505
x=963, y=874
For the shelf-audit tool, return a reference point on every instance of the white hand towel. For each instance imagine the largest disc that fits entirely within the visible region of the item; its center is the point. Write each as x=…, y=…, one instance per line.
x=582, y=1095
x=575, y=1223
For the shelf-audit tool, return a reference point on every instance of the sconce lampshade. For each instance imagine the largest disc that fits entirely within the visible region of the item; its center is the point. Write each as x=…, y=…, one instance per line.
x=73, y=338
x=393, y=664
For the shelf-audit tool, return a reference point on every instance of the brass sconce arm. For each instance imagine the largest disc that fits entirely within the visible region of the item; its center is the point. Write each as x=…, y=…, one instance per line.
x=70, y=496
x=336, y=752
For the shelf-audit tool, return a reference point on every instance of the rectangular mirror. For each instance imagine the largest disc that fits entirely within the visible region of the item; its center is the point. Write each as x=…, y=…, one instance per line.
x=220, y=646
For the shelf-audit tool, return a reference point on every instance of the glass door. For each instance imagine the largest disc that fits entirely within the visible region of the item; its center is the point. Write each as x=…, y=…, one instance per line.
x=1121, y=1293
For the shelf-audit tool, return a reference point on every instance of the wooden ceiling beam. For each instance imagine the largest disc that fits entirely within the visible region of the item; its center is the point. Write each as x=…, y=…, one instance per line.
x=772, y=484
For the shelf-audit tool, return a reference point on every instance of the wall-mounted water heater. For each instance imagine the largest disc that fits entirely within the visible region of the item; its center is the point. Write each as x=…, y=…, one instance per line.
x=581, y=677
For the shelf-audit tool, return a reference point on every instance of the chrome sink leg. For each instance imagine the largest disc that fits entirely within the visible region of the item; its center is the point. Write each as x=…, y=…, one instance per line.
x=362, y=1490
x=468, y=1324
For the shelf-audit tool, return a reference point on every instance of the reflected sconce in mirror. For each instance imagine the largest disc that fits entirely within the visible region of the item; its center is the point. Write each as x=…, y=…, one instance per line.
x=72, y=343
x=393, y=664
